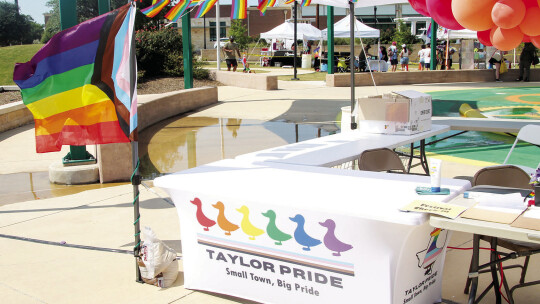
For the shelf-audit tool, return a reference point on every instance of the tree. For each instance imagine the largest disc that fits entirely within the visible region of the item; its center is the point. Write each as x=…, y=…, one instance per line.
x=88, y=9
x=386, y=35
x=16, y=28
x=403, y=35
x=239, y=32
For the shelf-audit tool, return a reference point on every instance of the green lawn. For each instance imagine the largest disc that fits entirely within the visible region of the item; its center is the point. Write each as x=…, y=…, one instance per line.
x=10, y=55
x=315, y=76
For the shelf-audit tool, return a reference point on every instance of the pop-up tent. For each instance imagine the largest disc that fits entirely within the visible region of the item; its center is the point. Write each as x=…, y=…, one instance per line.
x=457, y=34
x=343, y=26
x=286, y=31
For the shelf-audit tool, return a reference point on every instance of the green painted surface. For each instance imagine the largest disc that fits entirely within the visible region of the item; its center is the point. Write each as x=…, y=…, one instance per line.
x=514, y=103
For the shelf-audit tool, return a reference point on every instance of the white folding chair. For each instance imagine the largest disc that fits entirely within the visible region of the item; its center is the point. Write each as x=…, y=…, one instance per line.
x=530, y=134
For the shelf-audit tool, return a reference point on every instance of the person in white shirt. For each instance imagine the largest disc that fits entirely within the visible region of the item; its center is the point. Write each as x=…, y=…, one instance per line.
x=421, y=56
x=427, y=57
x=392, y=54
x=404, y=54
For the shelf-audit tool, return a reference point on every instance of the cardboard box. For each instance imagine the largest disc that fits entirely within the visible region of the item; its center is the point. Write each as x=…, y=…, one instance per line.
x=404, y=112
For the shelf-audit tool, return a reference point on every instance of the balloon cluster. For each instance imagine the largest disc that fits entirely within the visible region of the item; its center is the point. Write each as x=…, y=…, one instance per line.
x=503, y=24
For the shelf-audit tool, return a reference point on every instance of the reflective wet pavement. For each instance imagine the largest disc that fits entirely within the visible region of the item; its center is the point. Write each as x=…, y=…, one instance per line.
x=22, y=187
x=181, y=143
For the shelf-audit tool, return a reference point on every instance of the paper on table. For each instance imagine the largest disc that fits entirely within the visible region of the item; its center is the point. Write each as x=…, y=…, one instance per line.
x=533, y=212
x=510, y=203
x=443, y=209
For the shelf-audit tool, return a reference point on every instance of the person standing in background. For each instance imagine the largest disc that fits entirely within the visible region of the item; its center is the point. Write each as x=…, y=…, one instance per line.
x=404, y=54
x=393, y=54
x=525, y=61
x=230, y=57
x=427, y=57
x=496, y=59
x=421, y=56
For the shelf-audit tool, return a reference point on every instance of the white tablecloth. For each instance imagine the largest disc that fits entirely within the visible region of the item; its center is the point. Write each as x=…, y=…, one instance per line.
x=396, y=257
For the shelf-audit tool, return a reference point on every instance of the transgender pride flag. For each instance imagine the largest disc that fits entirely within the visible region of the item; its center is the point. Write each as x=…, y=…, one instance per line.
x=81, y=86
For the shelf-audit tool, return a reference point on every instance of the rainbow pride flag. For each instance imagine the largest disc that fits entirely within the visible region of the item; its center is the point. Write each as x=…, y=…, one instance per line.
x=289, y=1
x=263, y=5
x=239, y=9
x=271, y=3
x=176, y=12
x=306, y=2
x=155, y=8
x=194, y=3
x=81, y=86
x=205, y=7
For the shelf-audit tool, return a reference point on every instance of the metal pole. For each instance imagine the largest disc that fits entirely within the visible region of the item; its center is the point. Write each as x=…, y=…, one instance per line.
x=188, y=54
x=104, y=6
x=218, y=35
x=351, y=64
x=433, y=62
x=68, y=18
x=204, y=31
x=295, y=38
x=330, y=38
x=136, y=181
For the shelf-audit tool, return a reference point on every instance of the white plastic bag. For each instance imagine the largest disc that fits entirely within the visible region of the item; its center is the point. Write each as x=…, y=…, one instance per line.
x=157, y=262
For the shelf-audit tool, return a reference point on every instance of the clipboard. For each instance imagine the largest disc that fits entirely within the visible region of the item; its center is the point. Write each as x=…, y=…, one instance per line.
x=523, y=221
x=492, y=215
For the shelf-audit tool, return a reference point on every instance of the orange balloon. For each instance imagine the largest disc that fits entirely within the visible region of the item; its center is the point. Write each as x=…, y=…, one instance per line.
x=506, y=39
x=531, y=23
x=536, y=41
x=474, y=14
x=508, y=14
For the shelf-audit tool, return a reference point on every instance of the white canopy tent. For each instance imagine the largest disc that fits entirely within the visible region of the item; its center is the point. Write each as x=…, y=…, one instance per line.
x=342, y=29
x=286, y=31
x=459, y=34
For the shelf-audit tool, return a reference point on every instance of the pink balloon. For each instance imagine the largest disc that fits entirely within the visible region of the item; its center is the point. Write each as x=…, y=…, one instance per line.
x=420, y=7
x=484, y=37
x=441, y=12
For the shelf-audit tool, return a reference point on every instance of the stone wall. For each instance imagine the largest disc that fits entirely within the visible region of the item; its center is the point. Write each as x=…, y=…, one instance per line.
x=14, y=115
x=113, y=164
x=243, y=80
x=419, y=77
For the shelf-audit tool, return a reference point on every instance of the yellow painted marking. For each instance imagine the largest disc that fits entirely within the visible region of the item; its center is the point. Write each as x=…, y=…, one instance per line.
x=459, y=160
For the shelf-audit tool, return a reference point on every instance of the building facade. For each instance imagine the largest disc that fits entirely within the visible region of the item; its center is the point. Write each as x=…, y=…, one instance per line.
x=204, y=33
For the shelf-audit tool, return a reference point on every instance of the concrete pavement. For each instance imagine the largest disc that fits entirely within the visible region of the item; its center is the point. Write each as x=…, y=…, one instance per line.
x=51, y=273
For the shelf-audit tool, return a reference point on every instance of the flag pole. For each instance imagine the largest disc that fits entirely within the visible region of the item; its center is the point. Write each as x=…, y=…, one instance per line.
x=135, y=177
x=136, y=181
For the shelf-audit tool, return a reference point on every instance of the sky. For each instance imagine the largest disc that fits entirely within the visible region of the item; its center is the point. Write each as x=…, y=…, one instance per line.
x=34, y=8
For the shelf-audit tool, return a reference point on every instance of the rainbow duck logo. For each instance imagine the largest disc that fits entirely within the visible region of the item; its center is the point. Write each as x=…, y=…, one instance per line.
x=201, y=218
x=427, y=257
x=330, y=240
x=222, y=221
x=273, y=231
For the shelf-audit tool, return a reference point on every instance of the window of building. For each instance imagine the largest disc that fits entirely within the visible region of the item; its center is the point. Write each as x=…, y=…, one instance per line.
x=222, y=30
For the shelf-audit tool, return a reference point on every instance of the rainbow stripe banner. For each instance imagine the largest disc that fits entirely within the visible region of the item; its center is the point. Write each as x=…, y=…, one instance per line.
x=205, y=7
x=263, y=5
x=155, y=8
x=239, y=9
x=194, y=3
x=306, y=2
x=271, y=3
x=81, y=86
x=289, y=1
x=176, y=12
